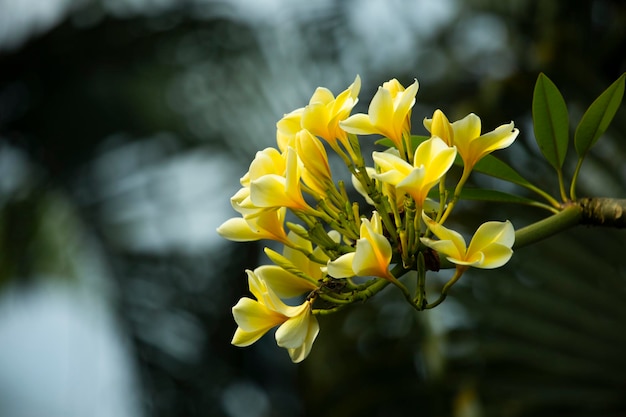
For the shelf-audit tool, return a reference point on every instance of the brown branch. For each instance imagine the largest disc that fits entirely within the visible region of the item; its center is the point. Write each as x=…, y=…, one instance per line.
x=606, y=212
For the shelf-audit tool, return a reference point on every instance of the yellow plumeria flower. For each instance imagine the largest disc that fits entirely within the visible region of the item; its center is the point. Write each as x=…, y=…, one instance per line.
x=297, y=329
x=283, y=283
x=465, y=135
x=389, y=114
x=273, y=191
x=267, y=161
x=280, y=278
x=432, y=159
x=242, y=204
x=489, y=248
x=316, y=174
x=324, y=112
x=302, y=262
x=321, y=117
x=287, y=127
x=371, y=257
x=266, y=224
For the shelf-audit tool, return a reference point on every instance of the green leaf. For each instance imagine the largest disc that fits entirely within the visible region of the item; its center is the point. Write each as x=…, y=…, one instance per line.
x=551, y=121
x=494, y=167
x=494, y=196
x=598, y=116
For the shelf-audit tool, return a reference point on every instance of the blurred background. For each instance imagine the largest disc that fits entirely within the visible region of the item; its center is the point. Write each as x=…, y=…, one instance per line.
x=124, y=128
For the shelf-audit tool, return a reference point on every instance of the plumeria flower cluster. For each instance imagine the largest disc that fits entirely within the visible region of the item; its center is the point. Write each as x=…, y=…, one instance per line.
x=337, y=251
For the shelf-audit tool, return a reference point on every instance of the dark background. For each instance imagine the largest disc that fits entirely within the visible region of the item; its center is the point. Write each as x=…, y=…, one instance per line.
x=124, y=128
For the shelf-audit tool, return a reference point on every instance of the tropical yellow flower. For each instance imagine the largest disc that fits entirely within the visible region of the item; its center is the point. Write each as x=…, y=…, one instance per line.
x=287, y=127
x=273, y=191
x=489, y=248
x=267, y=224
x=267, y=161
x=431, y=161
x=242, y=204
x=465, y=135
x=316, y=173
x=297, y=329
x=301, y=261
x=389, y=114
x=371, y=257
x=324, y=112
x=283, y=283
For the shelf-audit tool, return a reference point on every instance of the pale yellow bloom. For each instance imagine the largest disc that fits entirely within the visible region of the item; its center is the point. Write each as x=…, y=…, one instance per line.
x=272, y=190
x=371, y=257
x=287, y=127
x=266, y=162
x=432, y=159
x=287, y=284
x=297, y=329
x=465, y=135
x=489, y=248
x=301, y=261
x=266, y=224
x=316, y=173
x=242, y=204
x=389, y=113
x=284, y=283
x=324, y=112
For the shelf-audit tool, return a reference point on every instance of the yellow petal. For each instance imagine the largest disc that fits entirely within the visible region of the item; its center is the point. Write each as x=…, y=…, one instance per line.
x=270, y=224
x=269, y=191
x=300, y=353
x=381, y=112
x=499, y=138
x=276, y=191
x=241, y=202
x=237, y=229
x=311, y=152
x=347, y=99
x=372, y=257
x=432, y=159
x=254, y=320
x=415, y=185
x=322, y=95
x=440, y=126
x=433, y=153
x=287, y=127
x=292, y=333
x=466, y=129
x=301, y=261
x=342, y=266
x=447, y=248
x=402, y=108
x=284, y=283
x=267, y=161
x=359, y=124
x=495, y=256
x=315, y=119
x=494, y=240
x=387, y=161
x=445, y=234
x=243, y=338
